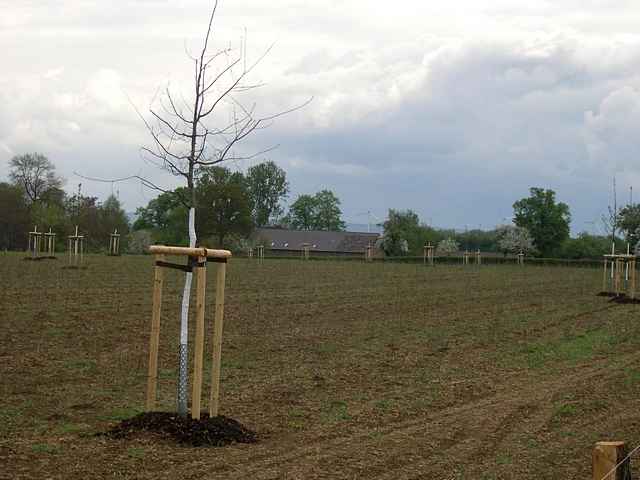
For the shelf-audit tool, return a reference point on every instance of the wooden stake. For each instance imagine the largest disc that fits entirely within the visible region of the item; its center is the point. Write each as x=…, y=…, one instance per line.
x=632, y=274
x=604, y=277
x=217, y=341
x=192, y=252
x=154, y=341
x=201, y=288
x=606, y=455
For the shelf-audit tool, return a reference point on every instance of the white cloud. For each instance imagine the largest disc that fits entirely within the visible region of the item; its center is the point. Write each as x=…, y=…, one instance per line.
x=53, y=73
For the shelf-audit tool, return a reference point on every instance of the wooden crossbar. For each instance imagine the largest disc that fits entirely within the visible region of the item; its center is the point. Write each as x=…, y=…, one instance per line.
x=189, y=251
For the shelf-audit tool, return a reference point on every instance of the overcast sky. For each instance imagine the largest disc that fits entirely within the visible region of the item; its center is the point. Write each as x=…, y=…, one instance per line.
x=453, y=109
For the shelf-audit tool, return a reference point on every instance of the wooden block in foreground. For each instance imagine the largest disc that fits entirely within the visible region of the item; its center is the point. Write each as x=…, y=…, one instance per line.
x=606, y=455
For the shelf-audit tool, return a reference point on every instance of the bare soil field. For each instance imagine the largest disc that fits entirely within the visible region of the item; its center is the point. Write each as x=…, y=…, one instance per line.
x=345, y=370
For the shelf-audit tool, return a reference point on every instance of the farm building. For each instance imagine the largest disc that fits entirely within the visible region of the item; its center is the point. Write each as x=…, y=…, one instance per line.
x=281, y=241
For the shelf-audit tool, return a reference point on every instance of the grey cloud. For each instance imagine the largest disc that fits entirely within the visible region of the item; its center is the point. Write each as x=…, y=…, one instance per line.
x=454, y=125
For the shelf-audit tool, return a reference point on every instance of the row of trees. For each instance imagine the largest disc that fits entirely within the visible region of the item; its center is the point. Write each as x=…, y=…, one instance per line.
x=232, y=205
x=540, y=227
x=34, y=196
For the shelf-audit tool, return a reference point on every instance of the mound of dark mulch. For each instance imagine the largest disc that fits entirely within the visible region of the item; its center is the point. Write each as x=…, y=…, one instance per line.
x=208, y=431
x=624, y=299
x=619, y=298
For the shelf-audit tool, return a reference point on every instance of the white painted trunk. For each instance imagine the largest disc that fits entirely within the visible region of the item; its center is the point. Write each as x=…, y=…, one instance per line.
x=183, y=371
x=184, y=318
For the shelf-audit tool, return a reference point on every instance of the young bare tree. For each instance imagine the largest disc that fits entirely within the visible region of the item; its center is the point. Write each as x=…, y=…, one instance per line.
x=610, y=219
x=191, y=134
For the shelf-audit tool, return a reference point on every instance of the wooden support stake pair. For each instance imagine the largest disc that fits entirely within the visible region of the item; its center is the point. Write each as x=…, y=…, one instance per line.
x=76, y=248
x=35, y=242
x=50, y=242
x=619, y=274
x=368, y=253
x=114, y=243
x=427, y=255
x=201, y=282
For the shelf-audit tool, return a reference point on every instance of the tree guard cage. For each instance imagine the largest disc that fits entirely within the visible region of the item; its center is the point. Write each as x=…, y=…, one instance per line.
x=35, y=243
x=75, y=247
x=520, y=259
x=368, y=253
x=114, y=243
x=197, y=258
x=619, y=275
x=50, y=243
x=427, y=254
x=305, y=251
x=260, y=249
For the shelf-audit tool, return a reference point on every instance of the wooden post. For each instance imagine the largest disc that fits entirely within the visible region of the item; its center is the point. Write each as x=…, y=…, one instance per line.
x=154, y=340
x=217, y=341
x=75, y=246
x=50, y=241
x=606, y=455
x=35, y=240
x=632, y=274
x=201, y=288
x=114, y=243
x=604, y=276
x=478, y=257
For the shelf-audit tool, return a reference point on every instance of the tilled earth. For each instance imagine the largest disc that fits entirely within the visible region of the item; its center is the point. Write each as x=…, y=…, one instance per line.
x=342, y=369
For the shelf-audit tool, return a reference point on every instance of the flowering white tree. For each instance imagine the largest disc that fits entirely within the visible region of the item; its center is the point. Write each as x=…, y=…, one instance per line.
x=448, y=246
x=514, y=239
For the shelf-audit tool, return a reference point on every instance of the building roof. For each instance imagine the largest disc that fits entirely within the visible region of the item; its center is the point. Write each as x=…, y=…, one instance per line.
x=321, y=241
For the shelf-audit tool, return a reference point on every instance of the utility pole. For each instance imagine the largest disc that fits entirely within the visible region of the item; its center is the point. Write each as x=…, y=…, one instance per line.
x=78, y=203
